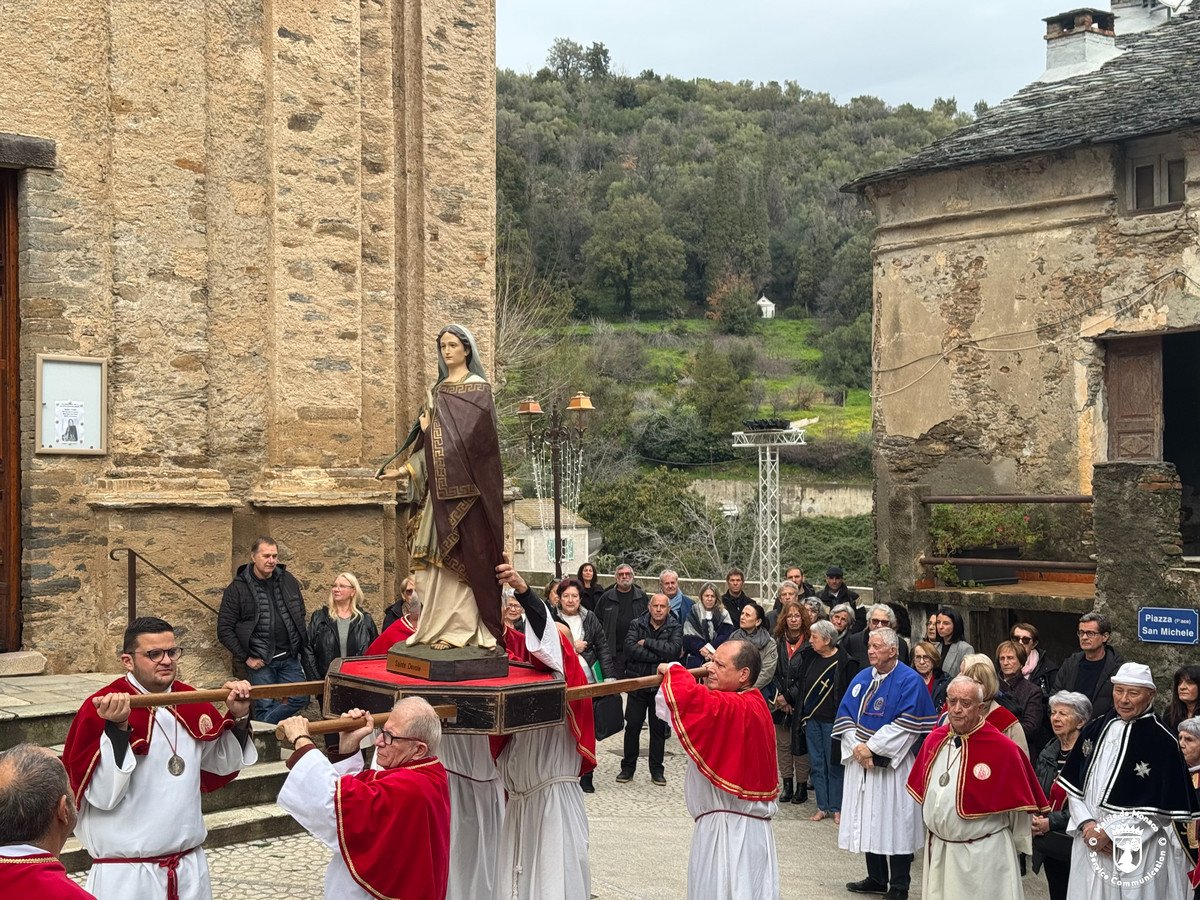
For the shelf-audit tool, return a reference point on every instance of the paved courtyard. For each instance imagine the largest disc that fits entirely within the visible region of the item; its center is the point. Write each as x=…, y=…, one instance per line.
x=640, y=836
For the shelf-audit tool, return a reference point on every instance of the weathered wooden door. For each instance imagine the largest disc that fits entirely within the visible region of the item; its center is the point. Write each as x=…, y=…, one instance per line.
x=10, y=424
x=1133, y=380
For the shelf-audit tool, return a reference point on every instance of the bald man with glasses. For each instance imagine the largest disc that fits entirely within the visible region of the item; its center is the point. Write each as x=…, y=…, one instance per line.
x=364, y=816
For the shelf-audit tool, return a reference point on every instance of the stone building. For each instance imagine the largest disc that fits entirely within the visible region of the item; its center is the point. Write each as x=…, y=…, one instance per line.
x=1036, y=315
x=259, y=215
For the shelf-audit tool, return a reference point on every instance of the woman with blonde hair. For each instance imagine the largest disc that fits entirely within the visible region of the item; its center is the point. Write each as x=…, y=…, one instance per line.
x=341, y=627
x=979, y=666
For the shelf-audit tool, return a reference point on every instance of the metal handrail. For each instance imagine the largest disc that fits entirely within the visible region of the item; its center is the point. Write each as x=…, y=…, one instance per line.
x=1008, y=498
x=131, y=558
x=1048, y=564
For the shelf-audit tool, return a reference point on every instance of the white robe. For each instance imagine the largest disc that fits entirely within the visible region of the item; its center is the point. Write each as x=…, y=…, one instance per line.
x=987, y=869
x=308, y=796
x=476, y=815
x=1089, y=883
x=544, y=841
x=142, y=810
x=878, y=814
x=733, y=856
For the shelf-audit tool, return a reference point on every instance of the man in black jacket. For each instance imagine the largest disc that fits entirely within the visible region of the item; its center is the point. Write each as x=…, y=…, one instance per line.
x=734, y=598
x=617, y=608
x=261, y=621
x=1089, y=672
x=835, y=592
x=656, y=637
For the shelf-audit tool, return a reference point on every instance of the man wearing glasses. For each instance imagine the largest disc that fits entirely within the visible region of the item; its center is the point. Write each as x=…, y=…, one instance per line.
x=878, y=616
x=360, y=815
x=1089, y=672
x=137, y=774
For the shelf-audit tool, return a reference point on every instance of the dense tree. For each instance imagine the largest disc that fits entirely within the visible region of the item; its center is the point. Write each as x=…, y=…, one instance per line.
x=846, y=353
x=719, y=395
x=632, y=260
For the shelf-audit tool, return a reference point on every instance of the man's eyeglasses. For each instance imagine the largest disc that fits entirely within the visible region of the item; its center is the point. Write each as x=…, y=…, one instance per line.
x=1026, y=639
x=1083, y=633
x=389, y=738
x=880, y=622
x=172, y=653
x=408, y=592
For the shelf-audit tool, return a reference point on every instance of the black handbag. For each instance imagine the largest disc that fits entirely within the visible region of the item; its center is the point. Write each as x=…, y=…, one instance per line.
x=607, y=714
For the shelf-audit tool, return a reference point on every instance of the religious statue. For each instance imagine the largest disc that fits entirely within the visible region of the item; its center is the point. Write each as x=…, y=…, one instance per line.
x=454, y=471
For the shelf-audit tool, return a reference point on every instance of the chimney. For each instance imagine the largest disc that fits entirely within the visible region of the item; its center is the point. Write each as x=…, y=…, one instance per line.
x=1078, y=41
x=1142, y=15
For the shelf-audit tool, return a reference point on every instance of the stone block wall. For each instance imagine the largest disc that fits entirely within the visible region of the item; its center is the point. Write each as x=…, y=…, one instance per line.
x=262, y=213
x=1138, y=563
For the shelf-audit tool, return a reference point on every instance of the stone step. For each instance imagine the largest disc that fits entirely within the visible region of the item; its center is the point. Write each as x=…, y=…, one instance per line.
x=230, y=826
x=260, y=784
x=17, y=663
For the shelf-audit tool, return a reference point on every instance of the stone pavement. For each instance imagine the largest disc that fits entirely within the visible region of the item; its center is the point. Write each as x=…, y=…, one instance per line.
x=48, y=693
x=640, y=835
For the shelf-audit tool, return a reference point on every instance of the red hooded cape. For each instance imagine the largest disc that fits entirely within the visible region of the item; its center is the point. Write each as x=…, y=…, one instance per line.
x=40, y=876
x=579, y=712
x=411, y=800
x=994, y=775
x=395, y=633
x=730, y=737
x=81, y=753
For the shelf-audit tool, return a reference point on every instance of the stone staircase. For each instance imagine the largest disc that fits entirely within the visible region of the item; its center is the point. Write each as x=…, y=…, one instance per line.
x=39, y=709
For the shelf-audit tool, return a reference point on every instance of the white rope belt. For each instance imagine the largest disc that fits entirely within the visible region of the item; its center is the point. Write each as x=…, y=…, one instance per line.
x=516, y=807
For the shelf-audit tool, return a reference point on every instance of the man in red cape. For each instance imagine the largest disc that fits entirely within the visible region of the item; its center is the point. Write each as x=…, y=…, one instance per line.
x=137, y=774
x=366, y=817
x=731, y=783
x=37, y=815
x=977, y=792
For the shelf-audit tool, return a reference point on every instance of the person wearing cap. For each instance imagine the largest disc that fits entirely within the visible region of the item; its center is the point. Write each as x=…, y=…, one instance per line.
x=1127, y=785
x=835, y=592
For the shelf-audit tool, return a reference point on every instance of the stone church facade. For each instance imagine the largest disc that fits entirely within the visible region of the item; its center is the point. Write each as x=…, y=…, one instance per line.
x=1036, y=306
x=259, y=215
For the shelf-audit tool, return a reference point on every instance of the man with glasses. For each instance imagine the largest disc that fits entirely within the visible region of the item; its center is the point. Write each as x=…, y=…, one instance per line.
x=1089, y=672
x=364, y=816
x=977, y=790
x=137, y=774
x=878, y=616
x=617, y=608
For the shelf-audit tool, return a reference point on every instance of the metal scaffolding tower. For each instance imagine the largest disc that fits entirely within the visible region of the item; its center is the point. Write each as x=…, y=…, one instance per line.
x=766, y=538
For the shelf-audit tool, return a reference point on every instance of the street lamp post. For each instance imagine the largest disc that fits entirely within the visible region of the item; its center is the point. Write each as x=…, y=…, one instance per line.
x=558, y=434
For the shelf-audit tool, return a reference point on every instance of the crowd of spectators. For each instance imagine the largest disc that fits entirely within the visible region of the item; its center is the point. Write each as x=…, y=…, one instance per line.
x=812, y=644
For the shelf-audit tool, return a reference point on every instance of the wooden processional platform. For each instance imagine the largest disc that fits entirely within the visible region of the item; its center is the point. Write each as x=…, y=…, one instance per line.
x=527, y=698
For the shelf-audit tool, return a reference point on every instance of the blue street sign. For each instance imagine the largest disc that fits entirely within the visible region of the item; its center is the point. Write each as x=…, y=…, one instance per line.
x=1165, y=625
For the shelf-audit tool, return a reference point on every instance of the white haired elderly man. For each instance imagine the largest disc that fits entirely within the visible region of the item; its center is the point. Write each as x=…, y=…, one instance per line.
x=883, y=714
x=681, y=603
x=1127, y=784
x=977, y=790
x=879, y=615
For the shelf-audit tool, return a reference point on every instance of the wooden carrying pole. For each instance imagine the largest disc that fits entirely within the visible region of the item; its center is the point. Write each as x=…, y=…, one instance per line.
x=257, y=692
x=604, y=688
x=345, y=723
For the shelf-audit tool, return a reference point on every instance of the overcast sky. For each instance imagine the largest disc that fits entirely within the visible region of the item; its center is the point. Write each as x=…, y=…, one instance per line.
x=900, y=50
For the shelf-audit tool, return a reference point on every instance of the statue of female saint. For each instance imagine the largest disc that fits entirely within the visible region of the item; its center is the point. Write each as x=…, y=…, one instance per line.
x=457, y=539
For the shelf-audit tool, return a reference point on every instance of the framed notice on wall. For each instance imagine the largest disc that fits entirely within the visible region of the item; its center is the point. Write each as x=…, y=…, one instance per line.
x=72, y=397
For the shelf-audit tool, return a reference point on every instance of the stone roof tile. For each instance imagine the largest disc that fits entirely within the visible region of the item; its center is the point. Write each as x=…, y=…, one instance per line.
x=1153, y=87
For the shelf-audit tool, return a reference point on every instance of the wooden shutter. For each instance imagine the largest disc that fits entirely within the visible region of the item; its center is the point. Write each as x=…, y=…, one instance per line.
x=1133, y=380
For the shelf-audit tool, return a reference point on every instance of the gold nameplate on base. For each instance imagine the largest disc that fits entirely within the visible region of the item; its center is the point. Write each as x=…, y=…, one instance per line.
x=452, y=664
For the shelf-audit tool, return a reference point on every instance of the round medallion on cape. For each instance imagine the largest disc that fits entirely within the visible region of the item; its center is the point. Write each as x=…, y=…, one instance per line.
x=855, y=691
x=982, y=771
x=205, y=723
x=878, y=704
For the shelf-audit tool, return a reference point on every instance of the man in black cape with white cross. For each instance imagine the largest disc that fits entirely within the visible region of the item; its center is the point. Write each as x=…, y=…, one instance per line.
x=1128, y=786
